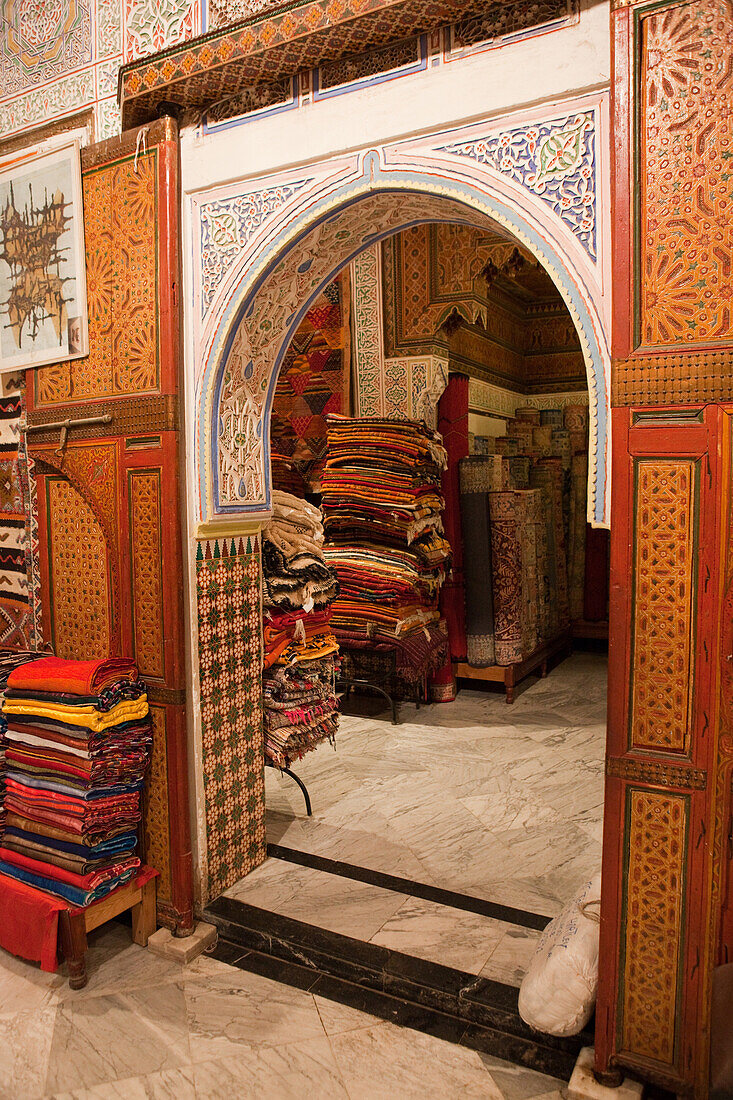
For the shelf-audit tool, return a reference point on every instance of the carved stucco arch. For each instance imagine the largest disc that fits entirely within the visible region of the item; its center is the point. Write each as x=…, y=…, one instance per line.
x=326, y=228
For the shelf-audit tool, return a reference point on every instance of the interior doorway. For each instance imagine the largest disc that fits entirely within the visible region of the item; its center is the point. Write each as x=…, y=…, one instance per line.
x=451, y=838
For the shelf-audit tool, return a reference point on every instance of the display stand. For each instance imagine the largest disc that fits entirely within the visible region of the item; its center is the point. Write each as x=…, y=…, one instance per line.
x=350, y=682
x=511, y=675
x=298, y=780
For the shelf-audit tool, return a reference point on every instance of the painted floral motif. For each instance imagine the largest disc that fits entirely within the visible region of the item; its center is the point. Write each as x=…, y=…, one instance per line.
x=226, y=227
x=154, y=24
x=40, y=41
x=367, y=322
x=556, y=160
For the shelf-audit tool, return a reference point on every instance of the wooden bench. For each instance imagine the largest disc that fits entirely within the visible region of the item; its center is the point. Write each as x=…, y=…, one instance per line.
x=74, y=924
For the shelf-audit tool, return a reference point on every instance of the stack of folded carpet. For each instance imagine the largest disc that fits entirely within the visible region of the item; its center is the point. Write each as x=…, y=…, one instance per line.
x=523, y=510
x=382, y=508
x=300, y=650
x=9, y=660
x=78, y=744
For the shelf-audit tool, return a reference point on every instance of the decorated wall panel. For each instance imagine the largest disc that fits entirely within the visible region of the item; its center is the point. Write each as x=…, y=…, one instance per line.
x=79, y=571
x=686, y=233
x=656, y=838
x=665, y=505
x=120, y=215
x=235, y=357
x=61, y=58
x=146, y=555
x=230, y=664
x=664, y=805
x=673, y=337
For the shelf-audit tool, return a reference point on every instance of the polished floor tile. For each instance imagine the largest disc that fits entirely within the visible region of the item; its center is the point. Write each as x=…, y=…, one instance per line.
x=439, y=933
x=228, y=1014
x=504, y=803
x=212, y=1032
x=287, y=1072
x=411, y=1065
x=316, y=897
x=110, y=1037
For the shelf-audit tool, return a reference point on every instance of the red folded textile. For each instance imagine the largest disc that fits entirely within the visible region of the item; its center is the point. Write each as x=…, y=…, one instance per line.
x=72, y=677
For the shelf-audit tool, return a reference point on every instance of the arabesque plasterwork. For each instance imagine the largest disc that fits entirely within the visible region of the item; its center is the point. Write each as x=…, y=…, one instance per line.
x=245, y=322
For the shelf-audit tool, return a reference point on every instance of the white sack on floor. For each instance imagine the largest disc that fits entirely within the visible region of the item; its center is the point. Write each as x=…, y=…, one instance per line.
x=559, y=989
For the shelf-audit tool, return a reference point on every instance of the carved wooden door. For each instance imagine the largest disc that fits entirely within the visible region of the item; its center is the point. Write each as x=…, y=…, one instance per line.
x=666, y=914
x=108, y=502
x=664, y=807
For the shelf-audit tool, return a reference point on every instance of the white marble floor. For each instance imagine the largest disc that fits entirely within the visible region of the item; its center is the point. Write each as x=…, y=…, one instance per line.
x=503, y=803
x=145, y=1028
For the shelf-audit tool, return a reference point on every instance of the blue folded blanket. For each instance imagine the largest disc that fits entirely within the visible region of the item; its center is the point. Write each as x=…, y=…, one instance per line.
x=62, y=889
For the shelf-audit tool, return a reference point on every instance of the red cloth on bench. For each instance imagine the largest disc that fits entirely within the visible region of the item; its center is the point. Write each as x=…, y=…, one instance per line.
x=29, y=922
x=29, y=918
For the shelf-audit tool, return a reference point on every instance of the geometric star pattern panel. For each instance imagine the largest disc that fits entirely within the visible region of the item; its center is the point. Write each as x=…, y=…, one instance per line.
x=230, y=664
x=120, y=227
x=687, y=180
x=657, y=825
x=664, y=604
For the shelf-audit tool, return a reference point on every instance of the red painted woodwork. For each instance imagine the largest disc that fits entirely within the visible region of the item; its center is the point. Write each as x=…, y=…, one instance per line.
x=689, y=773
x=128, y=474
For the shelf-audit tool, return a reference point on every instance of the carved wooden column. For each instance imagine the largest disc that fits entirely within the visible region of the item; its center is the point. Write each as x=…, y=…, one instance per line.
x=665, y=916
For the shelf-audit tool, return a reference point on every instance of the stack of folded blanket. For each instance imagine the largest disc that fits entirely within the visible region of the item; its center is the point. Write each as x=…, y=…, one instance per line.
x=382, y=509
x=9, y=660
x=301, y=651
x=78, y=743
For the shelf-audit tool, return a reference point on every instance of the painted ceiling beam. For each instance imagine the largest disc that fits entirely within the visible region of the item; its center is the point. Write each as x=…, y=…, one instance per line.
x=267, y=47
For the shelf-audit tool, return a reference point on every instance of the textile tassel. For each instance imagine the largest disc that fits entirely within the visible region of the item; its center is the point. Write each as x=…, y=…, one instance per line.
x=141, y=143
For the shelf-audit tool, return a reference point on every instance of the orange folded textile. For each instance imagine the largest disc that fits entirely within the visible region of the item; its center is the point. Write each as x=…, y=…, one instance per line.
x=73, y=677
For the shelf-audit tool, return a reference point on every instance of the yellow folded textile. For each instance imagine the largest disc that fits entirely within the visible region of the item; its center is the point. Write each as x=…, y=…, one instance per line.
x=85, y=714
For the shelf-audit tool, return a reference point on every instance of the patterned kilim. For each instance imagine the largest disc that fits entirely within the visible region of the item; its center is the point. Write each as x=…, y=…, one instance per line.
x=576, y=556
x=547, y=476
x=314, y=381
x=514, y=516
x=15, y=616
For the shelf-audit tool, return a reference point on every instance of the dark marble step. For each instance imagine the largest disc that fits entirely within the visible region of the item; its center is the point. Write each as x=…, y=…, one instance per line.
x=473, y=1011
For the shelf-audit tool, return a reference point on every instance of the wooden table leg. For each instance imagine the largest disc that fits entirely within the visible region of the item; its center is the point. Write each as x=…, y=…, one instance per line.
x=74, y=946
x=144, y=916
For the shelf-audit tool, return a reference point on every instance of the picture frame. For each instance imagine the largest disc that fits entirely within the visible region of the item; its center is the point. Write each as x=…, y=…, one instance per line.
x=43, y=300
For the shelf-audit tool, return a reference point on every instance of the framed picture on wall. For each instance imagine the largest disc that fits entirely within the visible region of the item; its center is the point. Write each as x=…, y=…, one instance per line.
x=43, y=301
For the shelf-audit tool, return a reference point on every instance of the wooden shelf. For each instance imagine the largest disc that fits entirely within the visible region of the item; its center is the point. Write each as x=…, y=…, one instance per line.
x=511, y=675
